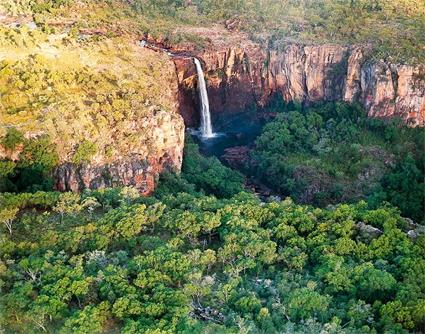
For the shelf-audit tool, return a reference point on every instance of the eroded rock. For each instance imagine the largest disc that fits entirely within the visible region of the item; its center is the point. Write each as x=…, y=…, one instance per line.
x=244, y=74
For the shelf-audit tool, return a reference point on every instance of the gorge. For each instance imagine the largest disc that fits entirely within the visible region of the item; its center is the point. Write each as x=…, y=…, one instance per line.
x=231, y=77
x=242, y=76
x=212, y=166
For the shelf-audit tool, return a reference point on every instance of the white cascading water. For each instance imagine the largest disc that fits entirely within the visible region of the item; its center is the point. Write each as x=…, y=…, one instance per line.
x=206, y=127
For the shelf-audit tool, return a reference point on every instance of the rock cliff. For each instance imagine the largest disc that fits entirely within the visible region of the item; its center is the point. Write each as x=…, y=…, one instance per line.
x=140, y=168
x=108, y=108
x=241, y=73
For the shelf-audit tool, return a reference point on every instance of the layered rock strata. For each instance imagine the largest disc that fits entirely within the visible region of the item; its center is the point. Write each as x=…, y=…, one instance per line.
x=242, y=76
x=138, y=169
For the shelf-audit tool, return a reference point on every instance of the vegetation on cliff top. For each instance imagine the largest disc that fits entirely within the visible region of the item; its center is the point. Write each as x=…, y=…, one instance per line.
x=77, y=88
x=395, y=29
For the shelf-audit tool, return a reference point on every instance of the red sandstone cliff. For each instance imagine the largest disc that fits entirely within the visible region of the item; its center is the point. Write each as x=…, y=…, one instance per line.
x=240, y=73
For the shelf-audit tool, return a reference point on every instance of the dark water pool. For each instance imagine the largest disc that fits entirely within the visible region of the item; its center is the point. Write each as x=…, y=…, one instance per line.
x=231, y=130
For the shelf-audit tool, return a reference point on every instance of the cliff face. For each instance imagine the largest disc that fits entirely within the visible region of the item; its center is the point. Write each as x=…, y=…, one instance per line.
x=140, y=168
x=240, y=76
x=108, y=109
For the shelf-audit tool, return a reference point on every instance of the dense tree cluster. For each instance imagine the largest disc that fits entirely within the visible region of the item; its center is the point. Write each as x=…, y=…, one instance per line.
x=32, y=171
x=201, y=175
x=334, y=153
x=108, y=261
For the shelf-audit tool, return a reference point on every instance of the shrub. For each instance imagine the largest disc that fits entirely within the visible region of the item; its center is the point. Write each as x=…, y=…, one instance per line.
x=12, y=139
x=84, y=152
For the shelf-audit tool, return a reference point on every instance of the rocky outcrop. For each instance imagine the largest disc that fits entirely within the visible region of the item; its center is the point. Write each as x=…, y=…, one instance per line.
x=367, y=231
x=139, y=169
x=241, y=76
x=236, y=157
x=136, y=172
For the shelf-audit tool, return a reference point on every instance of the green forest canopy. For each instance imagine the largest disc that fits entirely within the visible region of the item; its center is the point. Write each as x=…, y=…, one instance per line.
x=333, y=153
x=184, y=261
x=110, y=261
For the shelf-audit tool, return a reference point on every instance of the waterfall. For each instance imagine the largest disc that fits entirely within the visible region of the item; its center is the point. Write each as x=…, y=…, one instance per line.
x=206, y=127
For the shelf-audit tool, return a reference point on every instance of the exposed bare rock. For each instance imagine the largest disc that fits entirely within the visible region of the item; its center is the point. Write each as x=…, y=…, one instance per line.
x=166, y=133
x=410, y=94
x=233, y=24
x=242, y=73
x=137, y=172
x=353, y=87
x=378, y=92
x=206, y=313
x=412, y=229
x=368, y=231
x=286, y=73
x=325, y=70
x=236, y=156
x=417, y=232
x=410, y=224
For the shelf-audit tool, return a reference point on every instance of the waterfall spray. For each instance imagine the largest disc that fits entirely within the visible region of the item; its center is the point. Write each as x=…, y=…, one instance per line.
x=206, y=127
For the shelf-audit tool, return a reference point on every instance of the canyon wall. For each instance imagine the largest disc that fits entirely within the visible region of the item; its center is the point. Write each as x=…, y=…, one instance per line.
x=109, y=114
x=239, y=77
x=140, y=168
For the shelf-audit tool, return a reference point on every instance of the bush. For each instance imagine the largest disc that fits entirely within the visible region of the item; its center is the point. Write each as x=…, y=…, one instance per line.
x=333, y=153
x=84, y=152
x=209, y=174
x=12, y=139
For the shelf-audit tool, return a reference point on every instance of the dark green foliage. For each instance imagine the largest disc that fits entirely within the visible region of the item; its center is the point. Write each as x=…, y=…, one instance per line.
x=208, y=174
x=333, y=153
x=39, y=152
x=200, y=175
x=12, y=139
x=108, y=261
x=404, y=187
x=32, y=171
x=170, y=183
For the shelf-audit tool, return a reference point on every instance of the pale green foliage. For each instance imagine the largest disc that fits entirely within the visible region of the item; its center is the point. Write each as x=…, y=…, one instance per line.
x=7, y=216
x=68, y=203
x=140, y=265
x=83, y=94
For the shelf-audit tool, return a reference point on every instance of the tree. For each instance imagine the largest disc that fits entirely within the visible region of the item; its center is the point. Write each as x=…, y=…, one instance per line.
x=7, y=216
x=68, y=203
x=12, y=139
x=89, y=320
x=90, y=203
x=305, y=303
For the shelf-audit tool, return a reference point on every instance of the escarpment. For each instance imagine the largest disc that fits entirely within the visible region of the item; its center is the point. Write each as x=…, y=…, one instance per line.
x=140, y=167
x=148, y=139
x=106, y=114
x=114, y=111
x=244, y=75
